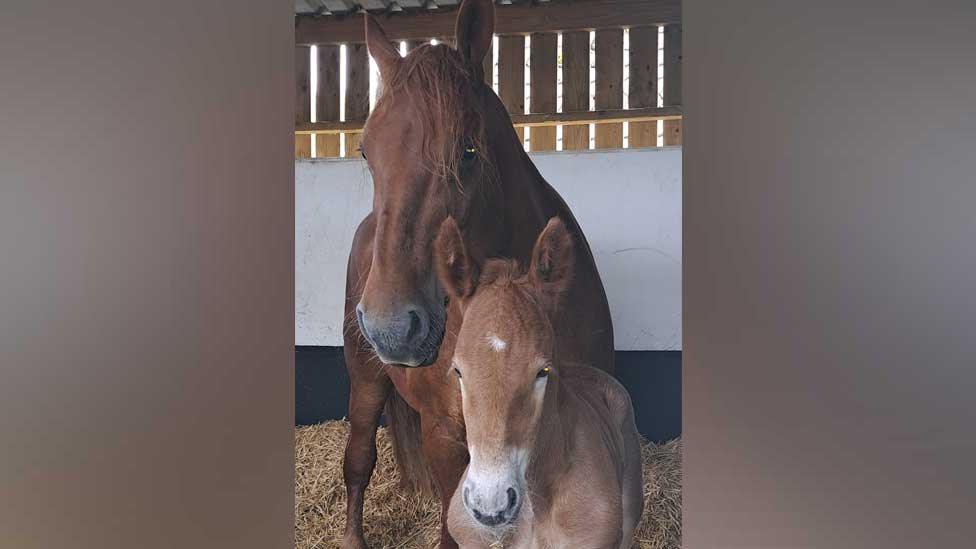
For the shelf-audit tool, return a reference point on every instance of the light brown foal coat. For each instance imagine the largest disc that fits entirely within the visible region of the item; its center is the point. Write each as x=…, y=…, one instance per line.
x=585, y=479
x=559, y=435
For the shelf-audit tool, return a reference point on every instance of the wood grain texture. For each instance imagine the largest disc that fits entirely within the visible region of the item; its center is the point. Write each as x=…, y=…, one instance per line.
x=303, y=99
x=326, y=145
x=576, y=86
x=303, y=85
x=672, y=81
x=532, y=120
x=327, y=99
x=542, y=93
x=642, y=89
x=609, y=85
x=303, y=146
x=511, y=75
x=357, y=92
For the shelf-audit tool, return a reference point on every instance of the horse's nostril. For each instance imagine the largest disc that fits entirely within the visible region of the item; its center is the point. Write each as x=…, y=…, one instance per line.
x=414, y=326
x=361, y=318
x=512, y=498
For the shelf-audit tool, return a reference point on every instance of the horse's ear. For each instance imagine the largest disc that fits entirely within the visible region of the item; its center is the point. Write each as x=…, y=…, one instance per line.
x=455, y=269
x=473, y=30
x=380, y=48
x=553, y=258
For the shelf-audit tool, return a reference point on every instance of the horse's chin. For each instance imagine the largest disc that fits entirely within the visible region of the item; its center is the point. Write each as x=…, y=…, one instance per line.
x=425, y=355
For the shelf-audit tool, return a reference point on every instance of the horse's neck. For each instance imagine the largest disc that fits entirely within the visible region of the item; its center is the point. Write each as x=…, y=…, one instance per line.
x=528, y=203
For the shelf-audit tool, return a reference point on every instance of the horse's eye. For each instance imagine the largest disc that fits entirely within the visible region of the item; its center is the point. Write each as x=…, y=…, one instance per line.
x=457, y=373
x=362, y=153
x=469, y=153
x=543, y=373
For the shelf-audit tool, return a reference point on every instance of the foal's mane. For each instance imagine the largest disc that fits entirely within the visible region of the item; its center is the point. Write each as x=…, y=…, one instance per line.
x=501, y=272
x=445, y=91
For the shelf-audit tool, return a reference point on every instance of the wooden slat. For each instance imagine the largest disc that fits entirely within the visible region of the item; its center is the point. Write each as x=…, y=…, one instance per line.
x=542, y=93
x=357, y=92
x=576, y=86
x=672, y=81
x=609, y=85
x=303, y=146
x=642, y=90
x=303, y=85
x=517, y=18
x=327, y=101
x=511, y=75
x=303, y=100
x=533, y=120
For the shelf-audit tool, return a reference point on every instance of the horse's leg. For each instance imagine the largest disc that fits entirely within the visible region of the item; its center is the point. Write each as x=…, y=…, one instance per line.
x=366, y=399
x=447, y=455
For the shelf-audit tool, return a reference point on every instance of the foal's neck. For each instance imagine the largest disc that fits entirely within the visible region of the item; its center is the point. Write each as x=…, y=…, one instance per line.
x=554, y=441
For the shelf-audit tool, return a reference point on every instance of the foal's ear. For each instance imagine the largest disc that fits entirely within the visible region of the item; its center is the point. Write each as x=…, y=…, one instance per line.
x=457, y=273
x=473, y=29
x=553, y=258
x=380, y=48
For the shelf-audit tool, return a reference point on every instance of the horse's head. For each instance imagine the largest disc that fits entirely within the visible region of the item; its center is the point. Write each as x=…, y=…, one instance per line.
x=505, y=361
x=427, y=149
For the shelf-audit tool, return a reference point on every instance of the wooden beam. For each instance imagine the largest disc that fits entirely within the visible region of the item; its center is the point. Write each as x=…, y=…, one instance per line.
x=511, y=75
x=303, y=100
x=521, y=18
x=327, y=101
x=609, y=86
x=576, y=87
x=542, y=97
x=530, y=120
x=672, y=80
x=643, y=83
x=357, y=92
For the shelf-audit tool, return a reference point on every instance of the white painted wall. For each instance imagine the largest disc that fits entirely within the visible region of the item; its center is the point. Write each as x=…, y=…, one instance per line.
x=628, y=203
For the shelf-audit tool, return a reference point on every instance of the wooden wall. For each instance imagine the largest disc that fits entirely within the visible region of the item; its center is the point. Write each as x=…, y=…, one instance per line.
x=574, y=51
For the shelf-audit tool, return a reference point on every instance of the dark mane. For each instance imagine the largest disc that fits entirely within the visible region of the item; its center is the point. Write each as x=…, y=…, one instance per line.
x=445, y=92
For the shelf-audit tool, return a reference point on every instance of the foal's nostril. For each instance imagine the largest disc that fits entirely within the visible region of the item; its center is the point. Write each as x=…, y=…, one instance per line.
x=512, y=499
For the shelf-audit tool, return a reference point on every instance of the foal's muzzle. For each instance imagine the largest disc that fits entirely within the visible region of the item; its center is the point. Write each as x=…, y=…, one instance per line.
x=492, y=510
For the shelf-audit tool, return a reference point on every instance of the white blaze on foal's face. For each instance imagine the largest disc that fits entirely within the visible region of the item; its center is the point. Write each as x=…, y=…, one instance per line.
x=502, y=361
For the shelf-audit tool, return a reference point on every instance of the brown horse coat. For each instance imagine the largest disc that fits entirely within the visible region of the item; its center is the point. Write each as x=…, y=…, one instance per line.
x=440, y=143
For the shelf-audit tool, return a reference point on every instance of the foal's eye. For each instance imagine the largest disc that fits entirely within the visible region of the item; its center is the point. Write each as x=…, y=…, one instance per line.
x=457, y=373
x=543, y=373
x=362, y=153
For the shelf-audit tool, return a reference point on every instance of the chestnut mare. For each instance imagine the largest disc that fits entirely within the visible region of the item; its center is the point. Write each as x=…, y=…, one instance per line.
x=555, y=454
x=439, y=142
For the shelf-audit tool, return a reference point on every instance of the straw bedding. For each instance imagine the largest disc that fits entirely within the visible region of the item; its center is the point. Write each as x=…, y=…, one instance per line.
x=395, y=519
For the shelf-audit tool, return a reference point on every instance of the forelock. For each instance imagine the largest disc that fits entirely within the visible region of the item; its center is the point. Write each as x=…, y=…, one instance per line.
x=439, y=85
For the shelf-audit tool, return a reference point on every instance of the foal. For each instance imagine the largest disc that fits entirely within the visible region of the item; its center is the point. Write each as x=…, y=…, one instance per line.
x=555, y=456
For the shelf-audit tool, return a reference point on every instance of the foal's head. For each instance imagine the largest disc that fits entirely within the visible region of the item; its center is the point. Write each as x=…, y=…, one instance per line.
x=504, y=360
x=427, y=147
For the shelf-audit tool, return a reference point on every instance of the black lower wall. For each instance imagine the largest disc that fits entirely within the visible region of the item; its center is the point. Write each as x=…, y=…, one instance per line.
x=652, y=377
